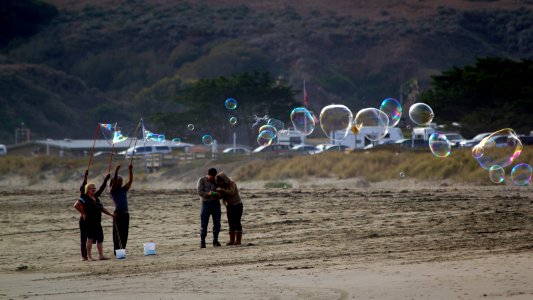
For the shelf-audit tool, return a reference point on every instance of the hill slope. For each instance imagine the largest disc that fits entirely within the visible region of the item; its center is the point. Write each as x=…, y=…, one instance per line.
x=351, y=52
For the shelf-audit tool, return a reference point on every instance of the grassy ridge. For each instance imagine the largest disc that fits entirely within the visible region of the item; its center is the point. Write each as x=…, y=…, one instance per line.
x=371, y=165
x=374, y=166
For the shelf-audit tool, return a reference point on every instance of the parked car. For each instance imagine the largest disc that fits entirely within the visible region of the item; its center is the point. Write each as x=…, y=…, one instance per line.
x=237, y=150
x=142, y=150
x=526, y=140
x=412, y=144
x=308, y=149
x=3, y=149
x=272, y=148
x=455, y=139
x=474, y=141
x=332, y=148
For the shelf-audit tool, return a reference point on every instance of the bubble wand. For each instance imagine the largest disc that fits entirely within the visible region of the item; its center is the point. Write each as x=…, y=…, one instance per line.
x=135, y=144
x=94, y=143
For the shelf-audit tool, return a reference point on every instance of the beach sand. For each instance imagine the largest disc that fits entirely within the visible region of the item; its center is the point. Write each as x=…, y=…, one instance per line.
x=322, y=239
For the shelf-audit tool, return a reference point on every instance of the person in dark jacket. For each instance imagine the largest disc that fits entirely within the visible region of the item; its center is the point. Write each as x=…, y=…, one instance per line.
x=234, y=207
x=79, y=207
x=210, y=206
x=121, y=222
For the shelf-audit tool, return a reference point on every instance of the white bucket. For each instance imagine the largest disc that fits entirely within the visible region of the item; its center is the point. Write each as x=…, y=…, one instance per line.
x=149, y=248
x=120, y=253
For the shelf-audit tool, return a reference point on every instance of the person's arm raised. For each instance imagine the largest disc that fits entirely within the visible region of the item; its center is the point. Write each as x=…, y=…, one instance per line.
x=82, y=187
x=102, y=187
x=130, y=178
x=114, y=182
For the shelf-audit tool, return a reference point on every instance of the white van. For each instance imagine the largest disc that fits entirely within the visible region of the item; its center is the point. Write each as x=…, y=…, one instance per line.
x=290, y=137
x=359, y=141
x=3, y=149
x=140, y=150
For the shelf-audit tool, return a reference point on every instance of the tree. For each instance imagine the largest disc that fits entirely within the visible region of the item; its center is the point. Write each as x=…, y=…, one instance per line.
x=257, y=93
x=496, y=93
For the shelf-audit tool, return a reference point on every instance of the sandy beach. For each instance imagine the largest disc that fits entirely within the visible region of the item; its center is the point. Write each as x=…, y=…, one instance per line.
x=318, y=240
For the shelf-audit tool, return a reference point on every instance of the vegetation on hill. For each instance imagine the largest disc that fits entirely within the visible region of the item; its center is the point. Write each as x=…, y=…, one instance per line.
x=355, y=53
x=22, y=18
x=493, y=94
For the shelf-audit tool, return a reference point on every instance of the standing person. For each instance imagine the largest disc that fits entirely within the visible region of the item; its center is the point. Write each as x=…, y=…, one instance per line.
x=234, y=207
x=121, y=222
x=83, y=230
x=210, y=206
x=93, y=209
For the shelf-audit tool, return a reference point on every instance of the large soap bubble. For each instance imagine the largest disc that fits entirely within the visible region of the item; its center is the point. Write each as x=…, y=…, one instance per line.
x=499, y=148
x=302, y=120
x=439, y=145
x=376, y=122
x=521, y=174
x=336, y=120
x=496, y=174
x=393, y=109
x=421, y=114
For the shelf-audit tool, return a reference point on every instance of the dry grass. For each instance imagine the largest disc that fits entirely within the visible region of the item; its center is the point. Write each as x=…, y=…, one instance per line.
x=373, y=166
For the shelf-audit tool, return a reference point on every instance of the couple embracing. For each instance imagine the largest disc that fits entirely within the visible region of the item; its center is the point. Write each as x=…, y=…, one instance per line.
x=212, y=188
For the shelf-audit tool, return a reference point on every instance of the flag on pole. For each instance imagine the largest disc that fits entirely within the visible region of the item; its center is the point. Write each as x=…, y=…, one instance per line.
x=306, y=100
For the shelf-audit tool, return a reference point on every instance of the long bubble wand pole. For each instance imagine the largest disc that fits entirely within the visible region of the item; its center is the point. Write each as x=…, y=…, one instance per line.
x=111, y=157
x=135, y=144
x=94, y=143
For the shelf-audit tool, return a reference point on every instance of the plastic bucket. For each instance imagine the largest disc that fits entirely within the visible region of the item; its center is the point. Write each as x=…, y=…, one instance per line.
x=149, y=248
x=120, y=253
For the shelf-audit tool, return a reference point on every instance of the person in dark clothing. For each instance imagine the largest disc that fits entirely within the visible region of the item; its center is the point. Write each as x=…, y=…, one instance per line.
x=210, y=206
x=92, y=213
x=79, y=207
x=234, y=208
x=121, y=222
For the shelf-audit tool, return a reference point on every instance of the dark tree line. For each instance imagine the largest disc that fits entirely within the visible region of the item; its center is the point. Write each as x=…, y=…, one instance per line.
x=493, y=94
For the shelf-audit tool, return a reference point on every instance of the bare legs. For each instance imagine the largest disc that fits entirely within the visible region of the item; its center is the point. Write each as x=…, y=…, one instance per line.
x=100, y=250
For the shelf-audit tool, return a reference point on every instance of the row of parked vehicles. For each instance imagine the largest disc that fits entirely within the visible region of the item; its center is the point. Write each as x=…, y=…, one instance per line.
x=290, y=141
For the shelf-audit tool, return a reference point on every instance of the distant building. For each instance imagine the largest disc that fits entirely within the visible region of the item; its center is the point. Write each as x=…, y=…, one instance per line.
x=67, y=147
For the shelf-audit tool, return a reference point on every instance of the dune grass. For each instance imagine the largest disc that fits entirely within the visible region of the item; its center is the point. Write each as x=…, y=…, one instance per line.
x=372, y=166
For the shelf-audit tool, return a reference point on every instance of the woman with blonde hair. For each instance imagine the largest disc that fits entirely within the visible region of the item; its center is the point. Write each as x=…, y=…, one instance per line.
x=92, y=214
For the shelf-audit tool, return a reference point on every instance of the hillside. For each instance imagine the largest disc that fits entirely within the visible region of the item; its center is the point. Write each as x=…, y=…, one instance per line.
x=350, y=52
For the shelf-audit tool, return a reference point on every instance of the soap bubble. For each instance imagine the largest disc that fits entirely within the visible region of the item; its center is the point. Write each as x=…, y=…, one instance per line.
x=190, y=127
x=265, y=137
x=207, y=140
x=231, y=103
x=496, y=174
x=393, y=109
x=176, y=141
x=499, y=148
x=279, y=125
x=233, y=121
x=439, y=145
x=421, y=114
x=269, y=128
x=376, y=122
x=302, y=120
x=521, y=174
x=118, y=137
x=336, y=120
